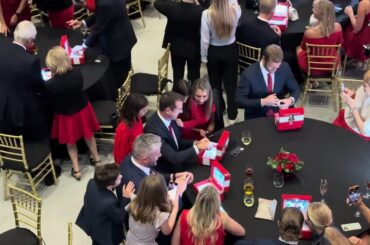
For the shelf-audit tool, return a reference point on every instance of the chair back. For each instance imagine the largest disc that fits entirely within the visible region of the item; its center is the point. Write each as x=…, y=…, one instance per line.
x=323, y=59
x=163, y=71
x=350, y=83
x=247, y=55
x=123, y=92
x=12, y=150
x=70, y=233
x=27, y=209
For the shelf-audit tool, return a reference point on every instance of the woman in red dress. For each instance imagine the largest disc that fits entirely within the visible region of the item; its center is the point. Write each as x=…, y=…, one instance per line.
x=325, y=32
x=205, y=223
x=59, y=11
x=201, y=112
x=11, y=13
x=358, y=33
x=74, y=117
x=131, y=125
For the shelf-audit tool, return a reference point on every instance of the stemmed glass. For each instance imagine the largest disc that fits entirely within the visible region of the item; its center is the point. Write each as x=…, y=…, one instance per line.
x=367, y=182
x=323, y=188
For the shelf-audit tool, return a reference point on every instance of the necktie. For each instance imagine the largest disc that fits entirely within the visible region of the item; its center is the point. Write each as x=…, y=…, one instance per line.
x=172, y=133
x=269, y=83
x=152, y=171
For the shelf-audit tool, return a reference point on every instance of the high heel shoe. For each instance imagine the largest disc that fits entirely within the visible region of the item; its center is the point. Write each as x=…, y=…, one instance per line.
x=73, y=174
x=93, y=162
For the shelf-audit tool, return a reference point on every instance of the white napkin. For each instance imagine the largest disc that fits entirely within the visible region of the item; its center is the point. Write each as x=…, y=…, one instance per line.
x=266, y=209
x=210, y=153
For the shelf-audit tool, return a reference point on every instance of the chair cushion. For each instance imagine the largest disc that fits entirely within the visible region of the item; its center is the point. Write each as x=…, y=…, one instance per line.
x=104, y=109
x=144, y=83
x=19, y=236
x=36, y=152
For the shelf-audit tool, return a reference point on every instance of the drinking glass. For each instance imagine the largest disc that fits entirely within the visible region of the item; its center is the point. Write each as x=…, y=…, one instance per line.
x=323, y=188
x=278, y=180
x=246, y=137
x=367, y=182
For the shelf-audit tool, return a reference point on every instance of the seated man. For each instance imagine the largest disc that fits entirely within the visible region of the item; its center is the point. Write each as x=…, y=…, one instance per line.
x=145, y=152
x=175, y=151
x=263, y=86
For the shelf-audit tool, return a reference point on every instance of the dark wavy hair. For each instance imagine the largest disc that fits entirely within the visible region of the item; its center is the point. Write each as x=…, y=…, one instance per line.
x=131, y=107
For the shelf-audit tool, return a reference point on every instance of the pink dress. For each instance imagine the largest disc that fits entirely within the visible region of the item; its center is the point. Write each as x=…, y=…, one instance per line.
x=10, y=7
x=353, y=42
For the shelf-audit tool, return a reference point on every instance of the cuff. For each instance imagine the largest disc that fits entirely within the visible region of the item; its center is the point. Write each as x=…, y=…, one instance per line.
x=196, y=149
x=293, y=100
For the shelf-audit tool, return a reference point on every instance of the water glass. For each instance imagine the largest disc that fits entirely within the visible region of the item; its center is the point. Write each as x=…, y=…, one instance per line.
x=246, y=137
x=323, y=188
x=367, y=183
x=278, y=180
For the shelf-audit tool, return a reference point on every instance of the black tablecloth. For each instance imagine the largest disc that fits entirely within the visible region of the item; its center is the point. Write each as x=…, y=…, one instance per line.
x=327, y=151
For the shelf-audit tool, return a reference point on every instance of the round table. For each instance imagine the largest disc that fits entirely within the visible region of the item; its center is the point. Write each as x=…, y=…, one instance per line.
x=327, y=151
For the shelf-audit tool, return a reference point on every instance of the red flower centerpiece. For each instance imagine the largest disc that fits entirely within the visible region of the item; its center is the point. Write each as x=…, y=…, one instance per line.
x=285, y=162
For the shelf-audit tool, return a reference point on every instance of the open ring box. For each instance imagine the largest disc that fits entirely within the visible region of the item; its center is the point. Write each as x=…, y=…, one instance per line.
x=216, y=151
x=219, y=178
x=77, y=54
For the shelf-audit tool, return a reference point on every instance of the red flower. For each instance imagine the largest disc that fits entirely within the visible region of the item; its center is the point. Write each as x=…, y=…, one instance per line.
x=293, y=158
x=279, y=168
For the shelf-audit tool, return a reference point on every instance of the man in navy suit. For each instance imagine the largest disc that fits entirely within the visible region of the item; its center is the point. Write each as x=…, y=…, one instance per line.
x=175, y=151
x=264, y=85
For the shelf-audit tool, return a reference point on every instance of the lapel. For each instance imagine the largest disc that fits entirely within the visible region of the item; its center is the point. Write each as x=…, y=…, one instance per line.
x=259, y=77
x=138, y=170
x=166, y=131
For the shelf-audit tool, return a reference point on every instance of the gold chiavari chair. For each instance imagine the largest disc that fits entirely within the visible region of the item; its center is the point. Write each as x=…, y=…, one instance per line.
x=27, y=213
x=134, y=7
x=31, y=159
x=70, y=233
x=247, y=55
x=322, y=59
x=350, y=83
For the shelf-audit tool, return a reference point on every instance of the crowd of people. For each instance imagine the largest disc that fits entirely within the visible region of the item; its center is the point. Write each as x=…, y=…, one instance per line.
x=144, y=189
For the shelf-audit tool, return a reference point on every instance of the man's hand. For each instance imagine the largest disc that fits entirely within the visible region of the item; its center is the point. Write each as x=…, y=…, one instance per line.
x=75, y=24
x=13, y=20
x=179, y=123
x=202, y=144
x=285, y=103
x=187, y=175
x=276, y=29
x=270, y=100
x=4, y=29
x=128, y=190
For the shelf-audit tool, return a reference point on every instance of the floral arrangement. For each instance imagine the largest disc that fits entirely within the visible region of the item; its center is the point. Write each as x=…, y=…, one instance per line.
x=285, y=162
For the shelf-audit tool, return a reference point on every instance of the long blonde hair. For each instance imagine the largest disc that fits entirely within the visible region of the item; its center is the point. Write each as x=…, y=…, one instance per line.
x=58, y=61
x=204, y=217
x=151, y=197
x=321, y=218
x=223, y=17
x=204, y=85
x=326, y=16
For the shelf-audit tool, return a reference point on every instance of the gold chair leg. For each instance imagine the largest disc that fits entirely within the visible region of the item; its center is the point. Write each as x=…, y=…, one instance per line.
x=141, y=13
x=304, y=93
x=32, y=184
x=335, y=93
x=344, y=64
x=5, y=185
x=52, y=169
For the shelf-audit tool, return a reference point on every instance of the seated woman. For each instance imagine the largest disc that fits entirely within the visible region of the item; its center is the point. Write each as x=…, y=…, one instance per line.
x=152, y=210
x=11, y=13
x=325, y=32
x=201, y=112
x=320, y=220
x=205, y=222
x=74, y=117
x=130, y=126
x=59, y=11
x=356, y=116
x=358, y=33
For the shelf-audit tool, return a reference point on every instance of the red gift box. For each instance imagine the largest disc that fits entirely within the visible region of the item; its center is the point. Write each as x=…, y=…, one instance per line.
x=289, y=119
x=218, y=151
x=281, y=16
x=301, y=202
x=76, y=58
x=219, y=178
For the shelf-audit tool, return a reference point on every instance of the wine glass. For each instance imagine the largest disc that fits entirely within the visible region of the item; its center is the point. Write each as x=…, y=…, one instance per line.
x=367, y=182
x=246, y=137
x=323, y=188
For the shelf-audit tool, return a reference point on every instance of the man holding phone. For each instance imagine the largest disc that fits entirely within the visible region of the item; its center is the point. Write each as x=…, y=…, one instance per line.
x=264, y=86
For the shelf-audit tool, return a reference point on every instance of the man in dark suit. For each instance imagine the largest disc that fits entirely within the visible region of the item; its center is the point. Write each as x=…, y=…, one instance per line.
x=145, y=152
x=21, y=87
x=113, y=33
x=175, y=151
x=256, y=31
x=182, y=32
x=263, y=86
x=102, y=215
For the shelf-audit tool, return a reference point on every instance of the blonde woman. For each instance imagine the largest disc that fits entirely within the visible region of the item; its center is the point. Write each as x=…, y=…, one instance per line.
x=152, y=211
x=219, y=50
x=325, y=32
x=320, y=220
x=205, y=223
x=74, y=117
x=201, y=112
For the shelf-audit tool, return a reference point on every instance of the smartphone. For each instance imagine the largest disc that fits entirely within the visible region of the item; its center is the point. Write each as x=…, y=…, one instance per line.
x=342, y=87
x=353, y=194
x=235, y=151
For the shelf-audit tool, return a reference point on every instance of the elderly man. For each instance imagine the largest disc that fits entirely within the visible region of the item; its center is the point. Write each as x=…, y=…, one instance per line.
x=175, y=151
x=263, y=86
x=145, y=152
x=21, y=85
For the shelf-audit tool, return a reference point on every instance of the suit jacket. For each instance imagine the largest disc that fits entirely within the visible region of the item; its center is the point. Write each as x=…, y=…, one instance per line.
x=101, y=216
x=173, y=158
x=183, y=27
x=111, y=29
x=21, y=90
x=256, y=33
x=252, y=88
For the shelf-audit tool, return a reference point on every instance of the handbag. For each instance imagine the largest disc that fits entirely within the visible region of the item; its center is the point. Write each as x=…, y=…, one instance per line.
x=289, y=119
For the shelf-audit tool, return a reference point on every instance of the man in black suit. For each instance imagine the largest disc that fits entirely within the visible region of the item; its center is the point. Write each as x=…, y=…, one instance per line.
x=113, y=33
x=256, y=31
x=102, y=215
x=21, y=87
x=182, y=32
x=146, y=150
x=175, y=151
x=263, y=86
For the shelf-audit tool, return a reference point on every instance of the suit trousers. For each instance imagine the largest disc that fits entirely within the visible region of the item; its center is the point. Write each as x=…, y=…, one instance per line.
x=178, y=66
x=223, y=68
x=120, y=70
